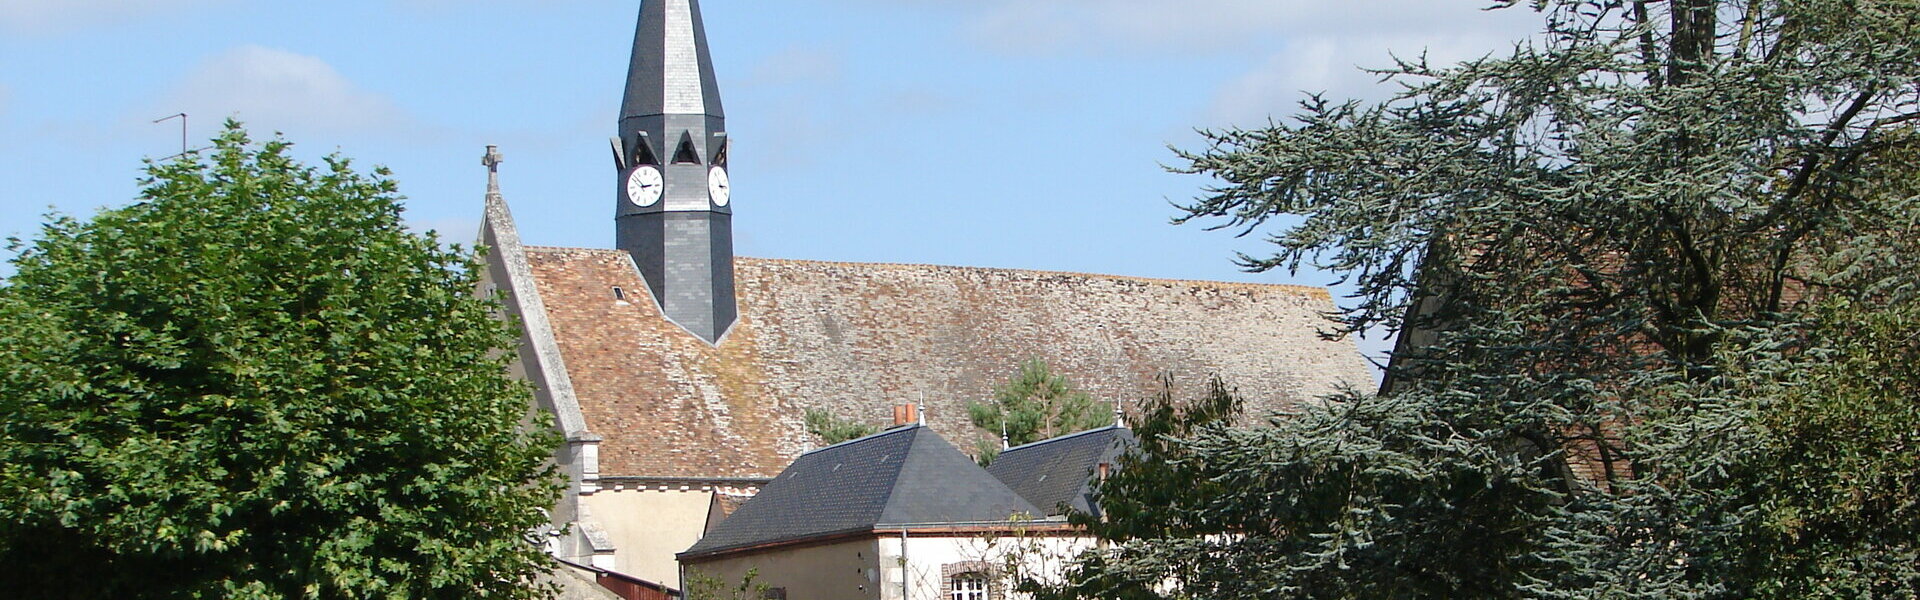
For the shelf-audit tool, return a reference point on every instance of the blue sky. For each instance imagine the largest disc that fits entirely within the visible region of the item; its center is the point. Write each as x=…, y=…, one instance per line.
x=1003, y=133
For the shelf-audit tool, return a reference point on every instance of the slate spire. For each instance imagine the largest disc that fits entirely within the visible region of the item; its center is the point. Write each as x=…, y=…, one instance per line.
x=673, y=196
x=670, y=71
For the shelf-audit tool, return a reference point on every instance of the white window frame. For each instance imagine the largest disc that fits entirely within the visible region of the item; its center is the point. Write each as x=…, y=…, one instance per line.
x=970, y=585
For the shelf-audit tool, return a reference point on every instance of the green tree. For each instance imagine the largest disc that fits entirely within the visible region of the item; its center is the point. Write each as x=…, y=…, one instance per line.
x=833, y=429
x=254, y=382
x=1034, y=405
x=1636, y=251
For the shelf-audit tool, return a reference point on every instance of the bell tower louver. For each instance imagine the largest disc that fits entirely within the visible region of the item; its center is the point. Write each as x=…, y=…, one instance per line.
x=673, y=196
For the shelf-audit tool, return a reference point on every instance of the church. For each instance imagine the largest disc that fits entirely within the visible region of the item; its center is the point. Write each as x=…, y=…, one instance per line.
x=678, y=373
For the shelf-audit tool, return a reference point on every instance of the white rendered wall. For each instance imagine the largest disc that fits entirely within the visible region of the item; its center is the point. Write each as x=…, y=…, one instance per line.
x=930, y=558
x=648, y=526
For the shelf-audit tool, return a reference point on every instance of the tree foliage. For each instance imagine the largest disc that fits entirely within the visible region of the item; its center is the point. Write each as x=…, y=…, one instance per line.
x=1659, y=262
x=1034, y=405
x=833, y=429
x=255, y=383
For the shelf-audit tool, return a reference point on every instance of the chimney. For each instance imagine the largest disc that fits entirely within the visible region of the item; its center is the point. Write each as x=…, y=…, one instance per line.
x=905, y=414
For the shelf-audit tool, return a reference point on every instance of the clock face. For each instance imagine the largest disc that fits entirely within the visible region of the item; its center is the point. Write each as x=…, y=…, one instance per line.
x=718, y=187
x=644, y=186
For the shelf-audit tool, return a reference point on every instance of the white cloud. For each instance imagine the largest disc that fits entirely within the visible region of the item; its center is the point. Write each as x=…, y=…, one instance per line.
x=1311, y=45
x=1212, y=25
x=1334, y=64
x=43, y=16
x=277, y=89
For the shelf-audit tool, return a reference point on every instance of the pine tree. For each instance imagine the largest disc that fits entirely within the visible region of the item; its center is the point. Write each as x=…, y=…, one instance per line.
x=1658, y=262
x=1034, y=405
x=833, y=429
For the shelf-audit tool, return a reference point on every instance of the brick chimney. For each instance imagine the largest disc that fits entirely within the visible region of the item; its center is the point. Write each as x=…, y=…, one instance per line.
x=905, y=414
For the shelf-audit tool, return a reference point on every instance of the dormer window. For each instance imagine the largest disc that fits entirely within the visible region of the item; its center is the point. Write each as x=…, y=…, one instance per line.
x=643, y=151
x=686, y=155
x=619, y=294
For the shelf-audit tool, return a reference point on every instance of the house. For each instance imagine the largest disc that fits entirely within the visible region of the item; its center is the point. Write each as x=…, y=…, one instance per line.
x=903, y=514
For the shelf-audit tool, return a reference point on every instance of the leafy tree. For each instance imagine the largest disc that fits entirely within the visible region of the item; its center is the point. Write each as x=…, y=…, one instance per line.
x=255, y=383
x=1837, y=472
x=833, y=429
x=1034, y=405
x=1657, y=262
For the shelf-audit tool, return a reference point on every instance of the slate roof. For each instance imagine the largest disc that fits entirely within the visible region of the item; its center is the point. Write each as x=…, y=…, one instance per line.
x=903, y=476
x=856, y=338
x=1059, y=472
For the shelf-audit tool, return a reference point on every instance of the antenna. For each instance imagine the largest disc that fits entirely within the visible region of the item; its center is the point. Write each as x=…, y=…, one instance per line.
x=183, y=130
x=183, y=134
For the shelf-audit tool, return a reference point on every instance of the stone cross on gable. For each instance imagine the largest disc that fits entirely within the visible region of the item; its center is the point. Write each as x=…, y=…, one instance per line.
x=492, y=161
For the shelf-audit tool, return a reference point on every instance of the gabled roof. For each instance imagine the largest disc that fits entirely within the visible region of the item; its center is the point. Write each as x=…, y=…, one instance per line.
x=856, y=338
x=1058, y=473
x=903, y=476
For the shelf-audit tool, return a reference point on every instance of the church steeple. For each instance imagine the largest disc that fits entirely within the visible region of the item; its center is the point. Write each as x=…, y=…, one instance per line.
x=674, y=210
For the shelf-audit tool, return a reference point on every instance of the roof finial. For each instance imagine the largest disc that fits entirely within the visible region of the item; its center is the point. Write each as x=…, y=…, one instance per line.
x=492, y=161
x=1119, y=416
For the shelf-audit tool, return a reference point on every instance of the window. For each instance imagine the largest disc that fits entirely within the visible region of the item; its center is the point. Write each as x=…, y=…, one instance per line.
x=619, y=294
x=643, y=151
x=686, y=155
x=967, y=586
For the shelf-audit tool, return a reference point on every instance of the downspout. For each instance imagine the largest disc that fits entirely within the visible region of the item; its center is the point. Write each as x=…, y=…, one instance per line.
x=906, y=589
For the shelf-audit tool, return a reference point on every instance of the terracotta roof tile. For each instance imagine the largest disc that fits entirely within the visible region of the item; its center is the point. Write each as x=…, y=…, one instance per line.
x=855, y=339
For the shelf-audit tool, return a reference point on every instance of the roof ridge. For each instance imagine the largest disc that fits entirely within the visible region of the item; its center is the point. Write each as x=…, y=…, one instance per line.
x=1306, y=289
x=887, y=431
x=900, y=467
x=566, y=249
x=934, y=454
x=1063, y=437
x=1311, y=290
x=900, y=471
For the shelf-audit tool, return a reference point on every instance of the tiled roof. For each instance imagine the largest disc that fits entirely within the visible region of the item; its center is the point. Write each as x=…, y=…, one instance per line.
x=855, y=339
x=903, y=476
x=1059, y=472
